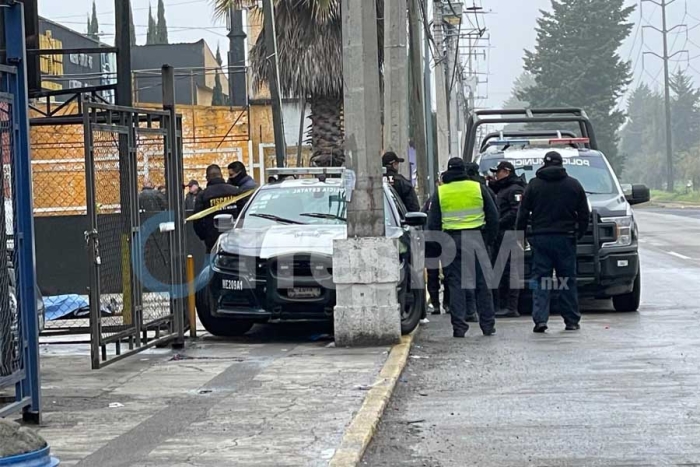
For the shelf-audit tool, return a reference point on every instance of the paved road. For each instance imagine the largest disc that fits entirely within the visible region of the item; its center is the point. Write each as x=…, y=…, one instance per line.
x=622, y=392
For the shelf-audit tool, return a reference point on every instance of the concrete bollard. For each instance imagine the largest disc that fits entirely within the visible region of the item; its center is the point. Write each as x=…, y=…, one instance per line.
x=366, y=274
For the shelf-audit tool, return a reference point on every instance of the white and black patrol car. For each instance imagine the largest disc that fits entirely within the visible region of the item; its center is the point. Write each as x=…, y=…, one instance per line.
x=274, y=263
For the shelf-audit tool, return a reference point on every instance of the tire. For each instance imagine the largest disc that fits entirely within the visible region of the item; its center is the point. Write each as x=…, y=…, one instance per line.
x=414, y=308
x=220, y=327
x=630, y=302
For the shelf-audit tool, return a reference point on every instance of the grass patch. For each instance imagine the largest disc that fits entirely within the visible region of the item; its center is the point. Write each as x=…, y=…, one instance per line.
x=659, y=196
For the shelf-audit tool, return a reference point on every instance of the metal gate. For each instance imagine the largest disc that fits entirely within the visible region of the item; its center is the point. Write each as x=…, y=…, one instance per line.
x=135, y=237
x=19, y=327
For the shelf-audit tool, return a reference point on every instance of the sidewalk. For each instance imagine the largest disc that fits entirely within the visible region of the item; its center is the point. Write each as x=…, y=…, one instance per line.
x=266, y=400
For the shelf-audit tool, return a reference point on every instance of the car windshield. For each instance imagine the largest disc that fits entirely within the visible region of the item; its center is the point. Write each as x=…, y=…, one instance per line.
x=317, y=205
x=590, y=170
x=296, y=205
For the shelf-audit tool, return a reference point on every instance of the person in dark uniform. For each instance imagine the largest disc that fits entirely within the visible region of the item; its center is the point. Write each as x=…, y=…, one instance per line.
x=509, y=188
x=150, y=199
x=193, y=190
x=403, y=187
x=216, y=192
x=464, y=210
x=238, y=177
x=558, y=207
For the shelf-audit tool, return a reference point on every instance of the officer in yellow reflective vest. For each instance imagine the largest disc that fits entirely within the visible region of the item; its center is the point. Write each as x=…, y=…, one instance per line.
x=463, y=209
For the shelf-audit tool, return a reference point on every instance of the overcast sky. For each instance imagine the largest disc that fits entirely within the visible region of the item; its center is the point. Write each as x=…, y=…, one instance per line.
x=511, y=26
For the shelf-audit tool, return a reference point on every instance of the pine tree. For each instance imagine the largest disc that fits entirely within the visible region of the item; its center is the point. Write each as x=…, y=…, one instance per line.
x=219, y=98
x=576, y=64
x=131, y=25
x=642, y=138
x=521, y=84
x=93, y=24
x=686, y=113
x=161, y=25
x=151, y=33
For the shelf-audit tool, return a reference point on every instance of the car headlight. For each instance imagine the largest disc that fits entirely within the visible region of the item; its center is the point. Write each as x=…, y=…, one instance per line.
x=227, y=262
x=624, y=230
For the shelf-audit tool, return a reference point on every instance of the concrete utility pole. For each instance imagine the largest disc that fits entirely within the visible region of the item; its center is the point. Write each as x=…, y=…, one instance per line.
x=443, y=124
x=396, y=81
x=670, y=178
x=428, y=104
x=364, y=265
x=417, y=98
x=273, y=79
x=454, y=89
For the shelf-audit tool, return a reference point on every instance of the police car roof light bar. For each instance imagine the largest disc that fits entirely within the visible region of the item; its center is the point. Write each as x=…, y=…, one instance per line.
x=291, y=171
x=570, y=141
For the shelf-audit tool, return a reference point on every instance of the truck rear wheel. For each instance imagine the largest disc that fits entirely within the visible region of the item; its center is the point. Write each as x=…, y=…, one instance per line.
x=630, y=302
x=221, y=327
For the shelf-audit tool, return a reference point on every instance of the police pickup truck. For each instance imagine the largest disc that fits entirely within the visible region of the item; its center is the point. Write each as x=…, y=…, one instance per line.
x=608, y=257
x=274, y=263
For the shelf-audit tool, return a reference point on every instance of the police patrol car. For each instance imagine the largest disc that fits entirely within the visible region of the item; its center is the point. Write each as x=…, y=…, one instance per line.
x=274, y=263
x=608, y=257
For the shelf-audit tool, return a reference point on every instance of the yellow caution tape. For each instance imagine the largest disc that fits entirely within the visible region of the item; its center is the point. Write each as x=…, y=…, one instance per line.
x=218, y=207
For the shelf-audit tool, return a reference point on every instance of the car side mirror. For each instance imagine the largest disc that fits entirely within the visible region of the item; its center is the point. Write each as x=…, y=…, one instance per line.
x=638, y=194
x=415, y=219
x=224, y=222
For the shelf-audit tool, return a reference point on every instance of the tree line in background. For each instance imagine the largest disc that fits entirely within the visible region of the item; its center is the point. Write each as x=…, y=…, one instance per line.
x=576, y=63
x=157, y=32
x=643, y=141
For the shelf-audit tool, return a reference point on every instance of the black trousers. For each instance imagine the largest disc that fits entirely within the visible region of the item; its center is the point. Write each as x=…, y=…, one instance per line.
x=466, y=277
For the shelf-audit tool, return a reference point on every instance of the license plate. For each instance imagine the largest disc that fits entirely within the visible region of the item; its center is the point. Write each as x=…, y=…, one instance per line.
x=304, y=292
x=231, y=284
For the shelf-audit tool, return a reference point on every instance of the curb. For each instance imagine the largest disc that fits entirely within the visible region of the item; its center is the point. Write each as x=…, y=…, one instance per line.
x=363, y=426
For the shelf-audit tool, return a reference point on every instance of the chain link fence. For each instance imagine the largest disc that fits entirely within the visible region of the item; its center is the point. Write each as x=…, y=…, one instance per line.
x=10, y=325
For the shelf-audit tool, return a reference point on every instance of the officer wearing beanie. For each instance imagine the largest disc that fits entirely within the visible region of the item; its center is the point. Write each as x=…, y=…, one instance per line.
x=557, y=206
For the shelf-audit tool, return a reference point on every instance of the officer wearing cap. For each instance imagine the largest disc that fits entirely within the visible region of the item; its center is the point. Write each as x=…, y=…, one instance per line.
x=403, y=187
x=557, y=207
x=193, y=191
x=509, y=190
x=463, y=209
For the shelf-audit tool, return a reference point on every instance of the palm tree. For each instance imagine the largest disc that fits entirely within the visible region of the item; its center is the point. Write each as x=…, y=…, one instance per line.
x=310, y=54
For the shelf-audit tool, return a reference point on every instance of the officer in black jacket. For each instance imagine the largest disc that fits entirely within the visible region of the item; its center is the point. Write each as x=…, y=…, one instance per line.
x=216, y=192
x=509, y=189
x=558, y=207
x=403, y=187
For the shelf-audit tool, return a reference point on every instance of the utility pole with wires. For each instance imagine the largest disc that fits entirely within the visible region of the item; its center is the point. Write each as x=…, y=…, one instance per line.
x=666, y=58
x=364, y=264
x=396, y=112
x=441, y=97
x=274, y=81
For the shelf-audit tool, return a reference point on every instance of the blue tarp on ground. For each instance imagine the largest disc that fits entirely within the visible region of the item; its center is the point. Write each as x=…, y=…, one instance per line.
x=66, y=307
x=73, y=307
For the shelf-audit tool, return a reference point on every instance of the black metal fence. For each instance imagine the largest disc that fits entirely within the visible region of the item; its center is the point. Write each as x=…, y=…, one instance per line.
x=135, y=230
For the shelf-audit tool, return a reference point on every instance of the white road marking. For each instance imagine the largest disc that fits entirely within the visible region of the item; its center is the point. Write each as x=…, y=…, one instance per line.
x=678, y=255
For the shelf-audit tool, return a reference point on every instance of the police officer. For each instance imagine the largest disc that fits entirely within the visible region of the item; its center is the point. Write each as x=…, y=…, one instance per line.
x=509, y=188
x=216, y=192
x=464, y=210
x=558, y=207
x=403, y=187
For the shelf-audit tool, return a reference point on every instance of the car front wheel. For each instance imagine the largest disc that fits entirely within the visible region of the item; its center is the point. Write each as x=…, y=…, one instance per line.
x=412, y=303
x=630, y=302
x=216, y=326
